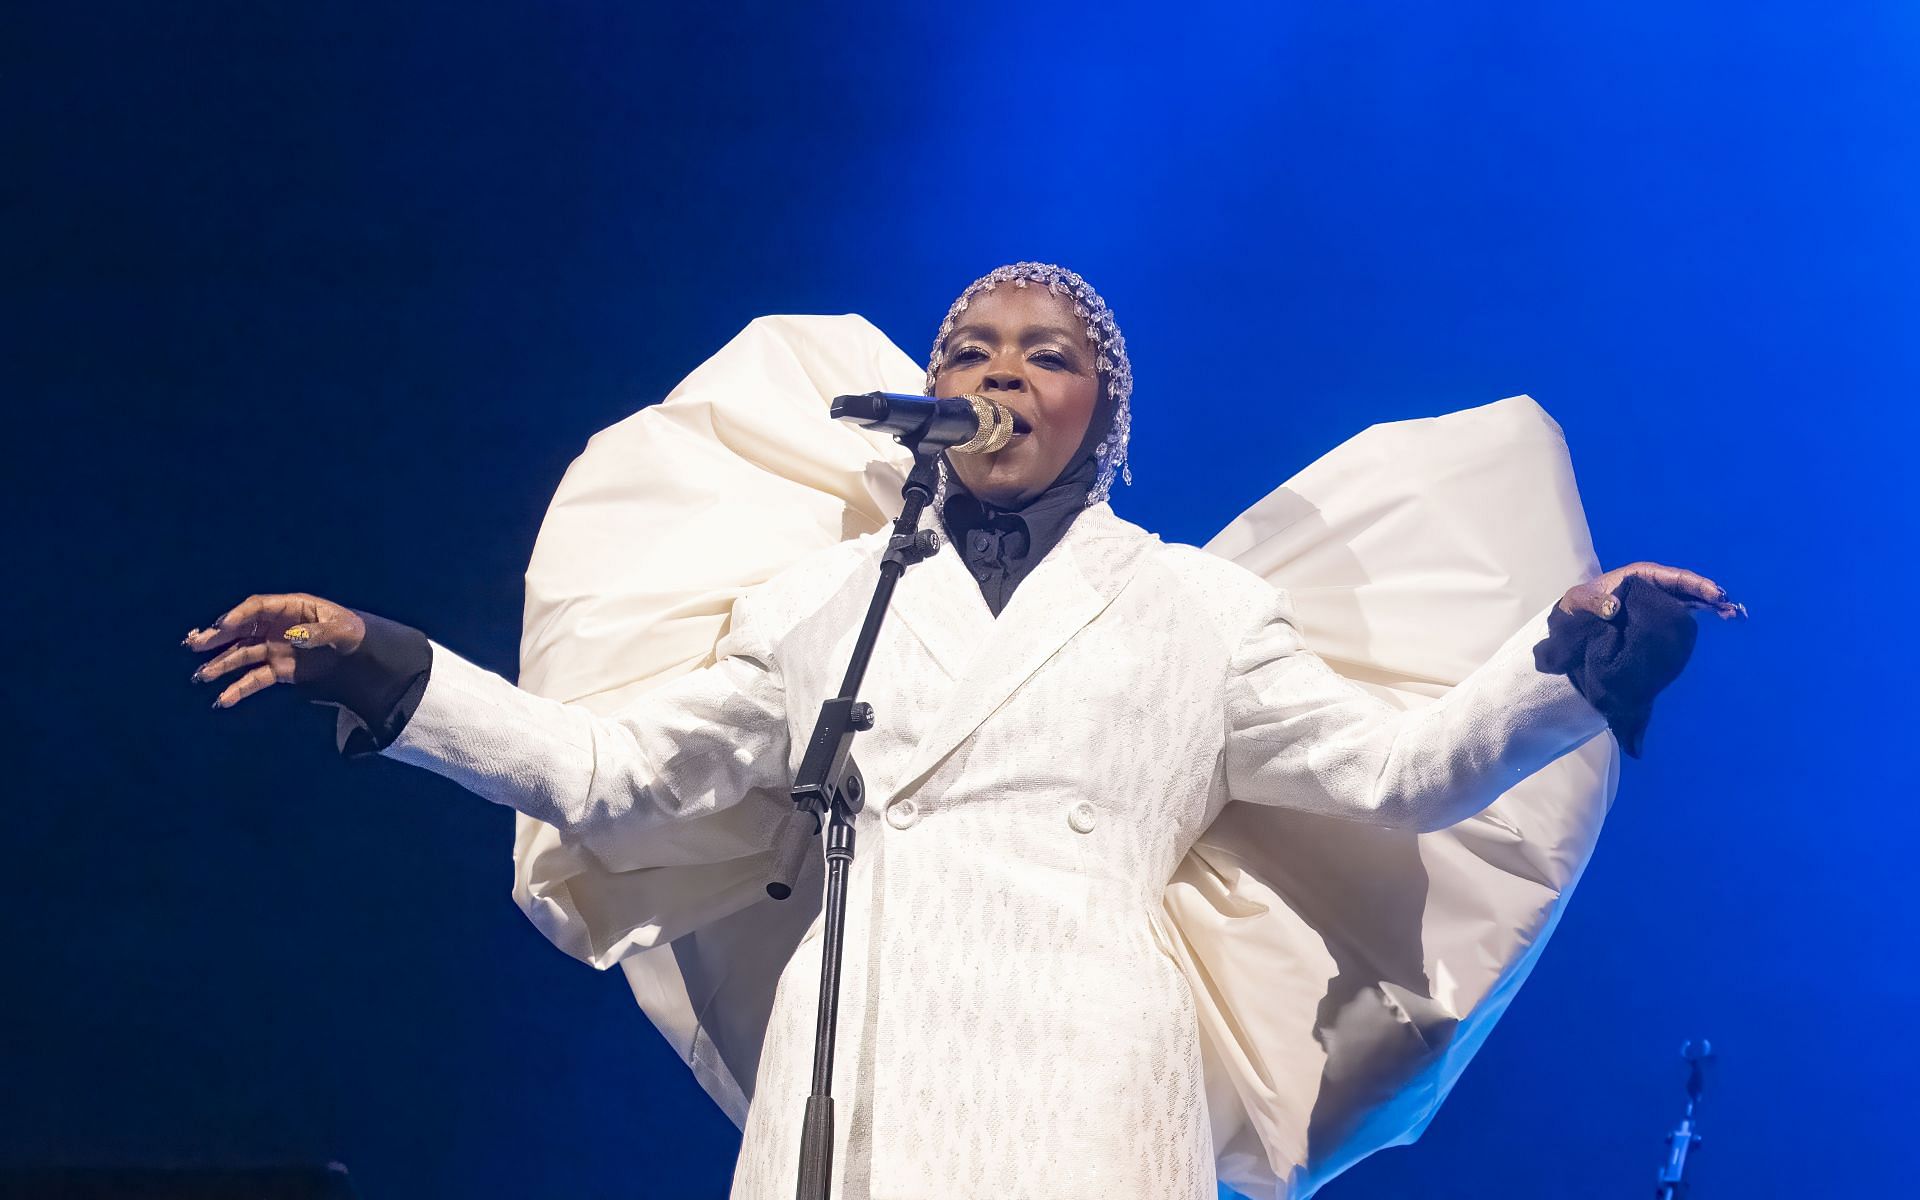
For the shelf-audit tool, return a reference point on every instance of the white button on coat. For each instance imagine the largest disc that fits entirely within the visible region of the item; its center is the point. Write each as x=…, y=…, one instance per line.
x=1080, y=816
x=902, y=814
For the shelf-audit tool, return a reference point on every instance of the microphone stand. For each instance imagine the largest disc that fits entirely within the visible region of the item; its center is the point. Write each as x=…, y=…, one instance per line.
x=829, y=786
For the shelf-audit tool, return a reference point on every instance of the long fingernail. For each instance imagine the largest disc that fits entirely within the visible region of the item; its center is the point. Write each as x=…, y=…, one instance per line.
x=196, y=674
x=216, y=702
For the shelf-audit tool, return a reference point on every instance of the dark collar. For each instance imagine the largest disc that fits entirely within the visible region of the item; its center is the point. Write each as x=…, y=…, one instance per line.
x=1000, y=546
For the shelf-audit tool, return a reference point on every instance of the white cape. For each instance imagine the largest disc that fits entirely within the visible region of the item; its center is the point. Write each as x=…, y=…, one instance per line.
x=1344, y=975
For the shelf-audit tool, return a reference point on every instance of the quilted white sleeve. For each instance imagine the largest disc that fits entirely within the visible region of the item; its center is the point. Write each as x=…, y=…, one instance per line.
x=624, y=785
x=1300, y=736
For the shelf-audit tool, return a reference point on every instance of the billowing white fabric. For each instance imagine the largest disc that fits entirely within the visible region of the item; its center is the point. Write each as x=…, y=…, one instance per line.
x=1340, y=974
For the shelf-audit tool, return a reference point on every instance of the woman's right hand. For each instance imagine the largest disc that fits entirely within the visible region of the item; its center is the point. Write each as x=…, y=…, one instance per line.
x=283, y=638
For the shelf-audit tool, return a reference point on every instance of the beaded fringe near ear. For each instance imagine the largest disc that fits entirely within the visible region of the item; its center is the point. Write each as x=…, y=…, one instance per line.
x=1110, y=349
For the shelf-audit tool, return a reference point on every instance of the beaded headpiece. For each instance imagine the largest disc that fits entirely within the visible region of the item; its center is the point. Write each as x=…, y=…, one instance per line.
x=1109, y=347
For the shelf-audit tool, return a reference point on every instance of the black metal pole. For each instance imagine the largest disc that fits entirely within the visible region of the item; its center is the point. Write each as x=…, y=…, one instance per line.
x=829, y=786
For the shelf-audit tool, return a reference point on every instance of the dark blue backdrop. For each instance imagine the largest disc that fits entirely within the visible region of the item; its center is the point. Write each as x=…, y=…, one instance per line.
x=325, y=297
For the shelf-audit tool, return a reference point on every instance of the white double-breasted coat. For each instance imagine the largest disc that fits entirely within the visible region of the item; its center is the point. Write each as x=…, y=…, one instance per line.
x=1013, y=1021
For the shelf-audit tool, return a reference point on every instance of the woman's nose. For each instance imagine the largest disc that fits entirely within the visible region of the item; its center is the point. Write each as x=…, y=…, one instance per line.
x=1003, y=381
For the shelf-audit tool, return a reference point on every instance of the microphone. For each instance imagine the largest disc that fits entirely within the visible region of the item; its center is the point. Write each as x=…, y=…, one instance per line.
x=967, y=424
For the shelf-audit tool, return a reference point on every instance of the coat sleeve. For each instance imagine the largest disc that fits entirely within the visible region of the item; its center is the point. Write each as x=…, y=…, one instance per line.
x=612, y=782
x=1300, y=736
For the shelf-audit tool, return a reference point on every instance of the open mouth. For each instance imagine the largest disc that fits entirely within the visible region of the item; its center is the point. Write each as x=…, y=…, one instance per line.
x=1021, y=426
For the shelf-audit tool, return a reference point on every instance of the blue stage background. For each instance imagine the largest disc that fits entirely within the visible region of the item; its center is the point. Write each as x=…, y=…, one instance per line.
x=325, y=297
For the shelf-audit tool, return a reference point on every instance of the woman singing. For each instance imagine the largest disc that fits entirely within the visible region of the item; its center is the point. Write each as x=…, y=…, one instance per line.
x=1066, y=705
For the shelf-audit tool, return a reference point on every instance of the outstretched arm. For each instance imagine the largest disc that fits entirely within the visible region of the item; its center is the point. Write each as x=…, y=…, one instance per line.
x=1300, y=736
x=687, y=749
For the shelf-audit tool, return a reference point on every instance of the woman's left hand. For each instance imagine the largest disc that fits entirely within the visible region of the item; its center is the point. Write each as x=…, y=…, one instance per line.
x=1598, y=596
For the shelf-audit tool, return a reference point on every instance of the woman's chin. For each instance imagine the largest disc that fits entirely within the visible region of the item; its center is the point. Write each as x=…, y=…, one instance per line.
x=1000, y=486
x=1006, y=477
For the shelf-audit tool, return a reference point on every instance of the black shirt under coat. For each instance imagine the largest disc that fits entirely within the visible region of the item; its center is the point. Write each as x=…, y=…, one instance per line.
x=1001, y=546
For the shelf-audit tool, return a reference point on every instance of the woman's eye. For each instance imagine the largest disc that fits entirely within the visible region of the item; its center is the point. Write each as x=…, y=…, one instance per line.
x=1050, y=358
x=967, y=354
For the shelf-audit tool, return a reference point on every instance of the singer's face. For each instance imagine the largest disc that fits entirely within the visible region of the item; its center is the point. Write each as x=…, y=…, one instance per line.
x=1024, y=348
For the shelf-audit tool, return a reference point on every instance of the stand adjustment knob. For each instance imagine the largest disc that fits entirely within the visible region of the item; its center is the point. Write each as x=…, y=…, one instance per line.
x=860, y=716
x=906, y=549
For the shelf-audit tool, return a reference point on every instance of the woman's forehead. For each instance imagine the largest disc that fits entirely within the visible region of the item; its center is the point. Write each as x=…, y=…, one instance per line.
x=1020, y=313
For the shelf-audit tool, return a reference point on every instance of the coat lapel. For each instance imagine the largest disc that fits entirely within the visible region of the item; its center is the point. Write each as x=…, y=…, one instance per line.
x=1070, y=587
x=940, y=604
